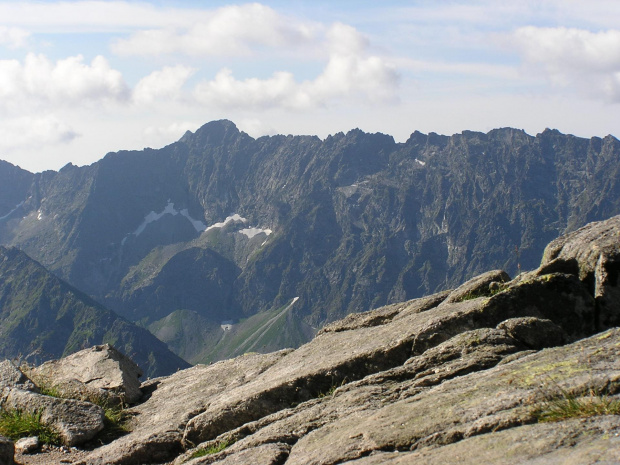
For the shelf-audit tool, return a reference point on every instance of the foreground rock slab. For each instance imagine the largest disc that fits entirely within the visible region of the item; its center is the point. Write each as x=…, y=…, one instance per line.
x=159, y=423
x=11, y=376
x=100, y=367
x=75, y=421
x=592, y=441
x=499, y=398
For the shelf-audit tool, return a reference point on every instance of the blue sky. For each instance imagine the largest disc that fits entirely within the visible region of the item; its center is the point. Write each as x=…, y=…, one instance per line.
x=81, y=78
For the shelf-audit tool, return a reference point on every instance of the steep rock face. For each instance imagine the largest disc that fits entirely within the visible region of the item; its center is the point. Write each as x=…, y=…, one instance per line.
x=348, y=223
x=42, y=318
x=469, y=372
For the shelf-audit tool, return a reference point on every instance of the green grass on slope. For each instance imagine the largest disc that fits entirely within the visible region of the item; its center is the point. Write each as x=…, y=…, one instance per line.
x=263, y=332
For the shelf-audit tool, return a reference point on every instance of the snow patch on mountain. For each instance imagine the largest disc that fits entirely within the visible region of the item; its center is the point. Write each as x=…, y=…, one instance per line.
x=229, y=219
x=168, y=210
x=251, y=232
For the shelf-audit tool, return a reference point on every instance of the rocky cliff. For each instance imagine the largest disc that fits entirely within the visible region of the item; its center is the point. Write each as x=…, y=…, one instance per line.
x=499, y=370
x=220, y=226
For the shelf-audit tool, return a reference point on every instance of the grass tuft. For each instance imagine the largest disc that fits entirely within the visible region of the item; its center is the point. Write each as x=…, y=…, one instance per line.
x=332, y=389
x=568, y=406
x=213, y=449
x=115, y=421
x=16, y=424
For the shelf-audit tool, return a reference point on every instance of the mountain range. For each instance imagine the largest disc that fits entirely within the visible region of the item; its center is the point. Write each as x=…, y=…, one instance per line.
x=221, y=243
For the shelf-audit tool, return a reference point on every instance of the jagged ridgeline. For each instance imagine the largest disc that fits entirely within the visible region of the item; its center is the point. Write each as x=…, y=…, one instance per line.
x=220, y=237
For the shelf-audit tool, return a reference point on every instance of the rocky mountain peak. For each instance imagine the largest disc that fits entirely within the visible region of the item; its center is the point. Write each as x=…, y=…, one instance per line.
x=216, y=133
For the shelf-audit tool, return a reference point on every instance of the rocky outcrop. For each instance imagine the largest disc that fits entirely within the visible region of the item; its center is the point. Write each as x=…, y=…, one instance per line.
x=13, y=377
x=66, y=396
x=467, y=373
x=98, y=371
x=75, y=421
x=592, y=252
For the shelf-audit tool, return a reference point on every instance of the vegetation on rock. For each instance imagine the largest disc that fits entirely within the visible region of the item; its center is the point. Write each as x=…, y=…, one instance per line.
x=16, y=424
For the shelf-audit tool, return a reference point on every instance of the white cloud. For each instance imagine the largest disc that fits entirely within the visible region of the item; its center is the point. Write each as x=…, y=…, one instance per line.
x=169, y=133
x=351, y=72
x=588, y=61
x=163, y=84
x=91, y=16
x=230, y=30
x=13, y=37
x=256, y=127
x=66, y=82
x=34, y=132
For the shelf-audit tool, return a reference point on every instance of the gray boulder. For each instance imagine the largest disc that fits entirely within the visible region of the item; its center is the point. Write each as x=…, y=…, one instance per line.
x=7, y=451
x=75, y=421
x=69, y=388
x=100, y=367
x=483, y=285
x=27, y=445
x=11, y=376
x=592, y=441
x=535, y=333
x=593, y=253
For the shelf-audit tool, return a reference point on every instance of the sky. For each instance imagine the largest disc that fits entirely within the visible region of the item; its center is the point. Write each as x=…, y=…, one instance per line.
x=79, y=79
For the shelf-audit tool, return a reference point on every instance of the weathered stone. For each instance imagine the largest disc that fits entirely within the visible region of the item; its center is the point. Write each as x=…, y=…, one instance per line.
x=101, y=367
x=27, y=445
x=385, y=314
x=159, y=423
x=75, y=421
x=478, y=286
x=335, y=356
x=535, y=333
x=69, y=388
x=592, y=441
x=7, y=451
x=594, y=252
x=11, y=376
x=265, y=454
x=471, y=351
x=467, y=406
